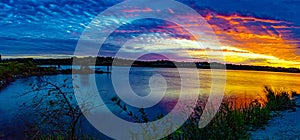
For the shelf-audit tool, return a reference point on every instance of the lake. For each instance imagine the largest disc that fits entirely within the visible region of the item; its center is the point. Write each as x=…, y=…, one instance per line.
x=239, y=85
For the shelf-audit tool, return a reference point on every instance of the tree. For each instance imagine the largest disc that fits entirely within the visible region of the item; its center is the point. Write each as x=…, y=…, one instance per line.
x=54, y=109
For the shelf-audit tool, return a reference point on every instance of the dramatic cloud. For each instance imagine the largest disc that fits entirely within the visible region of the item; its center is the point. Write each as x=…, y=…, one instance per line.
x=259, y=32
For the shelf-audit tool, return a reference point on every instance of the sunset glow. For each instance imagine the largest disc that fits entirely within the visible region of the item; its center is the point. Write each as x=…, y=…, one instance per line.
x=249, y=39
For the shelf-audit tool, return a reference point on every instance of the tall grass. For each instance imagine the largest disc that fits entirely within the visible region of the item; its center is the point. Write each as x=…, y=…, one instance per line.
x=279, y=100
x=236, y=123
x=233, y=123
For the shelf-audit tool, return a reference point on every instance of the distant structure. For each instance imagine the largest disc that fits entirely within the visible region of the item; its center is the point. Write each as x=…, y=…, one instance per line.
x=0, y=58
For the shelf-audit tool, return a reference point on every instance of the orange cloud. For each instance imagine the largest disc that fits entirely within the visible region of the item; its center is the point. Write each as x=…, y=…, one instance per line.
x=261, y=36
x=264, y=37
x=269, y=40
x=247, y=18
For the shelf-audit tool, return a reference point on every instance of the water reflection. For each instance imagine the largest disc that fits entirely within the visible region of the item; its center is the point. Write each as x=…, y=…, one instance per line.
x=241, y=88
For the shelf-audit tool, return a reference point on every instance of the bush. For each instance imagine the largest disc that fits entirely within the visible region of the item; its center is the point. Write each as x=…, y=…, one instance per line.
x=279, y=100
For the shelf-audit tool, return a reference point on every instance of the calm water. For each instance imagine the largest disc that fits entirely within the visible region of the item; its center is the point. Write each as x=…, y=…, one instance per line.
x=239, y=84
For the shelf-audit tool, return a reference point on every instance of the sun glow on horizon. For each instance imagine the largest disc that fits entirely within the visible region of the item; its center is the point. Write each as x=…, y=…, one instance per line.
x=243, y=39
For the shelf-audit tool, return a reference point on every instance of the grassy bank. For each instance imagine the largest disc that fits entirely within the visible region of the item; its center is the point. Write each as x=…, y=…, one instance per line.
x=230, y=122
x=9, y=71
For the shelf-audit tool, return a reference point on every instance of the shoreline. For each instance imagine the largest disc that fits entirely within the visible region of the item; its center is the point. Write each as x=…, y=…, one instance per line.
x=221, y=69
x=285, y=125
x=109, y=61
x=5, y=82
x=44, y=71
x=136, y=66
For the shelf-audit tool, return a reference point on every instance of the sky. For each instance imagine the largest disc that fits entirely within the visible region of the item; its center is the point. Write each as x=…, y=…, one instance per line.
x=250, y=32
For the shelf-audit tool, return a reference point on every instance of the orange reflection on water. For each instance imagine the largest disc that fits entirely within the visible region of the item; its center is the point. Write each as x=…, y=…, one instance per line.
x=242, y=87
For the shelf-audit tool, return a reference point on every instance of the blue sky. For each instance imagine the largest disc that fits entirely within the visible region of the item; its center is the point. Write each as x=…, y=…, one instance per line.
x=247, y=28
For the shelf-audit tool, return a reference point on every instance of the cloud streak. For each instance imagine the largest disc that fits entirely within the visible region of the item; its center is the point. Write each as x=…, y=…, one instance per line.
x=250, y=32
